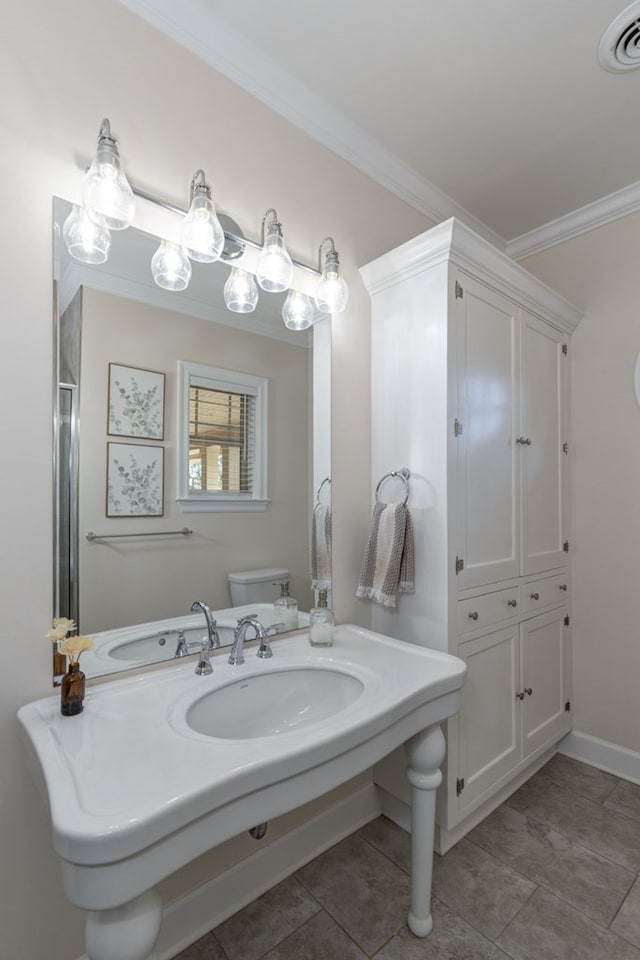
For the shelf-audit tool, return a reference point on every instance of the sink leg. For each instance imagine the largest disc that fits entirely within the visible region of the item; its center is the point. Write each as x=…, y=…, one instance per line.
x=425, y=753
x=128, y=932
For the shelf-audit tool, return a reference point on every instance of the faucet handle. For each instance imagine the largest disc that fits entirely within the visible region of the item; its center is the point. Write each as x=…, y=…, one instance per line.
x=203, y=666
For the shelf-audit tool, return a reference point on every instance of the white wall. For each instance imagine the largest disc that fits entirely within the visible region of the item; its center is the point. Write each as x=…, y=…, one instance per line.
x=63, y=68
x=599, y=272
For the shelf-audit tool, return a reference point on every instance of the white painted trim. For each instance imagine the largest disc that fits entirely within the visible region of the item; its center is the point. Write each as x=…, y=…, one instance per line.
x=454, y=241
x=590, y=217
x=620, y=761
x=188, y=919
x=196, y=26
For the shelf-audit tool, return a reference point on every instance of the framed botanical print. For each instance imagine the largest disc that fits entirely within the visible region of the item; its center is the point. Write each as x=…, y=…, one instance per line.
x=136, y=403
x=135, y=480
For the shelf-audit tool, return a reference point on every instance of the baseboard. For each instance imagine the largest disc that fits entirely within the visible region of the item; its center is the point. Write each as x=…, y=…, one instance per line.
x=188, y=919
x=398, y=811
x=610, y=757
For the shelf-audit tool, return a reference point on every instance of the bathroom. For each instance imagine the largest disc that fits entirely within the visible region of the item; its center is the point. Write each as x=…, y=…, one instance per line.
x=65, y=67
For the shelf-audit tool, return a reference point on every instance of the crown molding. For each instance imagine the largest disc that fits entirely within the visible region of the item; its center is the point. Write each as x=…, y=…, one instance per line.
x=196, y=27
x=593, y=215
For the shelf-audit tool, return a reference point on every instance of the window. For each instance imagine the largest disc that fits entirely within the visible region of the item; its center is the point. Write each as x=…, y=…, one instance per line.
x=222, y=452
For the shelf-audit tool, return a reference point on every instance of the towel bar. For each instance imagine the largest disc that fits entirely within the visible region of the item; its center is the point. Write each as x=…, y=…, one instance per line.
x=185, y=532
x=402, y=474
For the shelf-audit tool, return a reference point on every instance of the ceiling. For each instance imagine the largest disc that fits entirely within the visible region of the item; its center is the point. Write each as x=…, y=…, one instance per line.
x=497, y=111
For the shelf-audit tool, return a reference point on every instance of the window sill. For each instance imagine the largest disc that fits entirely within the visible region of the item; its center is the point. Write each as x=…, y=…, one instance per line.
x=205, y=505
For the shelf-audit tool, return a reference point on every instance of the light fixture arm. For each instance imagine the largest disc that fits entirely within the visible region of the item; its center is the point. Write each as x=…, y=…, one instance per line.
x=331, y=257
x=274, y=222
x=105, y=137
x=199, y=185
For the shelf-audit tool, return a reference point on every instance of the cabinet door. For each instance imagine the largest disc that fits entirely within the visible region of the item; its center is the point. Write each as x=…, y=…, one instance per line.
x=489, y=722
x=544, y=679
x=487, y=459
x=543, y=461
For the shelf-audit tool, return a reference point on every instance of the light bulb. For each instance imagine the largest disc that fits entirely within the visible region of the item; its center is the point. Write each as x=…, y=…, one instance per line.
x=201, y=235
x=297, y=311
x=86, y=240
x=170, y=267
x=105, y=190
x=275, y=269
x=241, y=291
x=332, y=293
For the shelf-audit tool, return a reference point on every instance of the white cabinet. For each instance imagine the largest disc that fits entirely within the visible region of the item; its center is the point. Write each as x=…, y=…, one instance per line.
x=514, y=702
x=470, y=363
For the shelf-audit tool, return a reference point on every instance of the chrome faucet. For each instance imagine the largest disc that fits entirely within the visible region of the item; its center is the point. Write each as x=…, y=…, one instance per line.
x=212, y=632
x=203, y=666
x=236, y=656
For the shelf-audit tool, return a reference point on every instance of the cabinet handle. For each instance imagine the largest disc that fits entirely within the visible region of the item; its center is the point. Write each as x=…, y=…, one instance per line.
x=473, y=616
x=519, y=695
x=512, y=603
x=528, y=691
x=562, y=586
x=534, y=596
x=525, y=441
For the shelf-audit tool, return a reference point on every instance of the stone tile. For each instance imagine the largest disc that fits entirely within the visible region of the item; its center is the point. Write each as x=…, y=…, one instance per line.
x=625, y=799
x=206, y=948
x=549, y=929
x=582, y=878
x=318, y=939
x=391, y=840
x=363, y=891
x=627, y=923
x=482, y=890
x=590, y=824
x=452, y=938
x=580, y=778
x=248, y=934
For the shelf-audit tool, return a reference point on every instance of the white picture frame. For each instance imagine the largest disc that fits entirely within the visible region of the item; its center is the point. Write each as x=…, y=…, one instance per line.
x=135, y=480
x=135, y=403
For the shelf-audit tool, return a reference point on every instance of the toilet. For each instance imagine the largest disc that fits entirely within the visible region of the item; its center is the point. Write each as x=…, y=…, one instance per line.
x=257, y=586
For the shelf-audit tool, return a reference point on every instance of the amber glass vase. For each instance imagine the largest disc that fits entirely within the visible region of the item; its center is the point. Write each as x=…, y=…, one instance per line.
x=72, y=691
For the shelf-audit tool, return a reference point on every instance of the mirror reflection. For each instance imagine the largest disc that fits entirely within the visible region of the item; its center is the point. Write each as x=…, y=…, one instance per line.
x=132, y=554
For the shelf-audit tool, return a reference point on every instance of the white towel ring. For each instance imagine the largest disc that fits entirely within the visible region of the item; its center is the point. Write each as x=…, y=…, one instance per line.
x=403, y=475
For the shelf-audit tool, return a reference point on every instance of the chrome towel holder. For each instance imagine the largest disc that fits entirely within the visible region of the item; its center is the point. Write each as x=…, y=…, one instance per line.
x=402, y=475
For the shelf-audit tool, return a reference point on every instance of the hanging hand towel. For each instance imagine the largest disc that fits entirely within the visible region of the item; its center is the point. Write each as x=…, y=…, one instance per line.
x=388, y=563
x=321, y=547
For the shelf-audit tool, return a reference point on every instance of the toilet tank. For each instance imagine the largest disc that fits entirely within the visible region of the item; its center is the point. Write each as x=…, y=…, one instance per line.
x=257, y=586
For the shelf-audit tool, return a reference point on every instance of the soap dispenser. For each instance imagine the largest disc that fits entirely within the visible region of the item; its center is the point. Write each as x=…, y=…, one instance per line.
x=285, y=609
x=321, y=623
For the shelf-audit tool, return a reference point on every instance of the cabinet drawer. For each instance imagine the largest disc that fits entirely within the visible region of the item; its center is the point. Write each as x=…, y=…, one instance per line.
x=548, y=592
x=486, y=610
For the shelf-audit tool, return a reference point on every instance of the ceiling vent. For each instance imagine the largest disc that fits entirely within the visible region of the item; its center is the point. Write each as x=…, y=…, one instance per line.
x=619, y=48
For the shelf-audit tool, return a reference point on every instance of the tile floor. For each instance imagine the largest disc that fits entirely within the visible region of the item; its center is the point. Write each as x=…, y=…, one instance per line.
x=552, y=874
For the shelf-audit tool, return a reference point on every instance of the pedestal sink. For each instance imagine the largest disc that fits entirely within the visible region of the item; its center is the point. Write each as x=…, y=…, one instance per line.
x=161, y=767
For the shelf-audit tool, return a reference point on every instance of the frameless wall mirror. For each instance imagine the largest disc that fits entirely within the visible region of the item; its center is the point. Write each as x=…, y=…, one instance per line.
x=129, y=551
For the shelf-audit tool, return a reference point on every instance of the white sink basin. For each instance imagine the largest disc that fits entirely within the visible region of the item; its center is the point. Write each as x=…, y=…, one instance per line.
x=161, y=767
x=273, y=703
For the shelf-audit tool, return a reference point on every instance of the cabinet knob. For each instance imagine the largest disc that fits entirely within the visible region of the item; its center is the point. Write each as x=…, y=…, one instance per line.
x=519, y=695
x=562, y=586
x=528, y=691
x=534, y=596
x=512, y=603
x=473, y=615
x=525, y=441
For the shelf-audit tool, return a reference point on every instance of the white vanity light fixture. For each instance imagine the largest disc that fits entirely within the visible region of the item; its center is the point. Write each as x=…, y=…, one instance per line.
x=170, y=267
x=332, y=293
x=201, y=234
x=275, y=268
x=297, y=311
x=105, y=189
x=240, y=291
x=86, y=240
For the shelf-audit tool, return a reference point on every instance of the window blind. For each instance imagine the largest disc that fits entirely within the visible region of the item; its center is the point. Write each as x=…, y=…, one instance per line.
x=222, y=439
